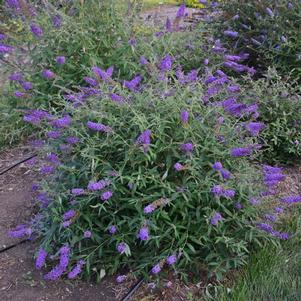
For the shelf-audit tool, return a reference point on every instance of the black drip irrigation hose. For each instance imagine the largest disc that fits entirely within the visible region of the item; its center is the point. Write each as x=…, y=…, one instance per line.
x=133, y=289
x=12, y=246
x=16, y=164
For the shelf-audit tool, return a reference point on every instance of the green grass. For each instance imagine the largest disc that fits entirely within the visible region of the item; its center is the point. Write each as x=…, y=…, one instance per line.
x=148, y=4
x=272, y=274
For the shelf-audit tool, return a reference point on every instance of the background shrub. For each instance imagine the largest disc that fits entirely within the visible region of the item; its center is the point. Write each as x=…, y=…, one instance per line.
x=268, y=30
x=279, y=103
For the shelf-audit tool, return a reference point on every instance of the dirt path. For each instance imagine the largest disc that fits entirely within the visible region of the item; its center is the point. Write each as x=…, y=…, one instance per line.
x=157, y=16
x=18, y=278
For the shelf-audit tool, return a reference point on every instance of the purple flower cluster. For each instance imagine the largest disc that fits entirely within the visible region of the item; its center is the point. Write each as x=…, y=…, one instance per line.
x=215, y=219
x=166, y=63
x=291, y=199
x=99, y=127
x=272, y=176
x=41, y=258
x=103, y=75
x=6, y=48
x=269, y=229
x=112, y=229
x=149, y=209
x=224, y=172
x=61, y=122
x=60, y=60
x=143, y=234
x=36, y=30
x=94, y=186
x=178, y=166
x=184, y=116
x=121, y=278
x=76, y=270
x=77, y=191
x=48, y=74
x=105, y=196
x=20, y=231
x=121, y=247
x=187, y=148
x=144, y=139
x=133, y=84
x=61, y=268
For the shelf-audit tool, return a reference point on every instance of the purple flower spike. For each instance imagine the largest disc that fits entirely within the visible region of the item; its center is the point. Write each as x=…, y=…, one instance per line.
x=69, y=214
x=156, y=269
x=55, y=273
x=87, y=234
x=143, y=61
x=144, y=139
x=104, y=75
x=217, y=166
x=254, y=127
x=98, y=185
x=41, y=258
x=217, y=190
x=149, y=209
x=229, y=193
x=26, y=85
x=184, y=116
x=121, y=278
x=241, y=151
x=143, y=234
x=16, y=76
x=60, y=60
x=72, y=140
x=231, y=34
x=121, y=247
x=215, y=219
x=77, y=191
x=133, y=84
x=269, y=12
x=178, y=166
x=91, y=81
x=57, y=21
x=76, y=270
x=166, y=63
x=291, y=199
x=181, y=11
x=172, y=259
x=226, y=174
x=187, y=147
x=67, y=224
x=99, y=127
x=105, y=196
x=20, y=231
x=48, y=74
x=36, y=30
x=112, y=229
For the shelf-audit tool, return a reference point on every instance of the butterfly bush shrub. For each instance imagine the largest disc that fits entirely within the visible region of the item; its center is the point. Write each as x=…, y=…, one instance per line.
x=268, y=30
x=146, y=175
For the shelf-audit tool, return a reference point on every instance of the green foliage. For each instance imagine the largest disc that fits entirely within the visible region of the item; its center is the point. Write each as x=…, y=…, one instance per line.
x=270, y=39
